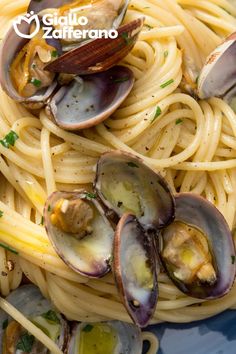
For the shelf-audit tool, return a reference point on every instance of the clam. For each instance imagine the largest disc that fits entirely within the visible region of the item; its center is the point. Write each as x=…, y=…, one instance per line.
x=111, y=337
x=125, y=184
x=100, y=54
x=134, y=267
x=22, y=63
x=90, y=99
x=197, y=249
x=79, y=231
x=28, y=300
x=218, y=76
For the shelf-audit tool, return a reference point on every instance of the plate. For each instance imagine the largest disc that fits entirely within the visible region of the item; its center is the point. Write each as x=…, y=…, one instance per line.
x=216, y=335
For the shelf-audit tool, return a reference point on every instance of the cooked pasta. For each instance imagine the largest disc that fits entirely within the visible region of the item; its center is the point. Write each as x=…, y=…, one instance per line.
x=191, y=143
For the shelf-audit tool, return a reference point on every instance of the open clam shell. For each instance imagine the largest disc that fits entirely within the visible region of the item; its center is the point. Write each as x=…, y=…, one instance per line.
x=125, y=184
x=89, y=100
x=88, y=254
x=111, y=337
x=134, y=267
x=10, y=47
x=218, y=76
x=29, y=301
x=200, y=217
x=100, y=54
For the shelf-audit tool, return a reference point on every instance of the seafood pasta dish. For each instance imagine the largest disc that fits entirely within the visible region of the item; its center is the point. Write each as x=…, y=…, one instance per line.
x=118, y=171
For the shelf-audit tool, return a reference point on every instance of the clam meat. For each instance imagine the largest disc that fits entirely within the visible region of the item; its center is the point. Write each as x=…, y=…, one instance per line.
x=197, y=249
x=80, y=232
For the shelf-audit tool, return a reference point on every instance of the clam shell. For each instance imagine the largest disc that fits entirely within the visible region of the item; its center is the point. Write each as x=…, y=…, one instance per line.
x=134, y=268
x=100, y=54
x=37, y=6
x=28, y=300
x=10, y=47
x=129, y=339
x=91, y=255
x=88, y=101
x=196, y=211
x=125, y=184
x=218, y=76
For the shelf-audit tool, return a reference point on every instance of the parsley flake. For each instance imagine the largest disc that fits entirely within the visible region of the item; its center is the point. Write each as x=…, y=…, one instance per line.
x=5, y=324
x=90, y=195
x=132, y=164
x=126, y=38
x=148, y=26
x=166, y=53
x=42, y=221
x=25, y=343
x=167, y=83
x=178, y=121
x=9, y=139
x=54, y=53
x=157, y=114
x=49, y=208
x=8, y=248
x=88, y=328
x=233, y=259
x=51, y=316
x=1, y=213
x=36, y=82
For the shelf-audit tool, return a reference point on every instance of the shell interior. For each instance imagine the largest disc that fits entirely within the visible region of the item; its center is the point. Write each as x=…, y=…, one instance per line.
x=111, y=337
x=134, y=268
x=89, y=100
x=219, y=73
x=90, y=255
x=125, y=184
x=12, y=44
x=195, y=211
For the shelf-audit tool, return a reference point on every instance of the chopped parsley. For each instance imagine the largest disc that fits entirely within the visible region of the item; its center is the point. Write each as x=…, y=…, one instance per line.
x=121, y=79
x=54, y=53
x=5, y=324
x=166, y=53
x=157, y=114
x=90, y=195
x=9, y=139
x=8, y=248
x=42, y=221
x=51, y=316
x=36, y=82
x=25, y=343
x=49, y=208
x=132, y=164
x=148, y=26
x=126, y=38
x=167, y=83
x=178, y=121
x=87, y=328
x=1, y=213
x=233, y=259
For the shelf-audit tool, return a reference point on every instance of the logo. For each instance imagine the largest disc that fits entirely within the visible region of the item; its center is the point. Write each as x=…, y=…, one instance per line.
x=29, y=18
x=70, y=27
